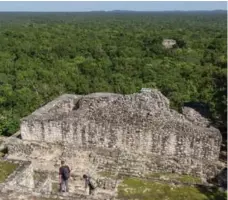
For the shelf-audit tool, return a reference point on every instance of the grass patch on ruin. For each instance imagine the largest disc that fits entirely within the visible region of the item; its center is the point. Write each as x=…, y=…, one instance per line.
x=6, y=168
x=189, y=179
x=107, y=174
x=112, y=175
x=176, y=177
x=162, y=176
x=132, y=188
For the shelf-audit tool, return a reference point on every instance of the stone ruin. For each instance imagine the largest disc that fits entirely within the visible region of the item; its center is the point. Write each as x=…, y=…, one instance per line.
x=122, y=135
x=169, y=43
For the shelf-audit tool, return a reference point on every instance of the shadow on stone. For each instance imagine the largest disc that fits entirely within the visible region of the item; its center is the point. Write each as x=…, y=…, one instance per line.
x=4, y=151
x=200, y=107
x=76, y=106
x=220, y=180
x=212, y=193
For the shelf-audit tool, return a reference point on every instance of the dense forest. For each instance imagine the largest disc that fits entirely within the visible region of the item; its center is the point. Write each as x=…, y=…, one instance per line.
x=43, y=55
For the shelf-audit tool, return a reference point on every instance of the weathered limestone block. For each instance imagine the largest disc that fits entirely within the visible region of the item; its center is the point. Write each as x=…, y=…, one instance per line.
x=22, y=177
x=50, y=113
x=137, y=124
x=197, y=113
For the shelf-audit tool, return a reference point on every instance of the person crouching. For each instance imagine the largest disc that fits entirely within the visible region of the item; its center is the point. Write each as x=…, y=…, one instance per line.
x=89, y=182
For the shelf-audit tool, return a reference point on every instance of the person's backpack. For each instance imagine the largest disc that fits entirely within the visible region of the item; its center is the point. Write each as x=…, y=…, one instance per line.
x=65, y=172
x=92, y=182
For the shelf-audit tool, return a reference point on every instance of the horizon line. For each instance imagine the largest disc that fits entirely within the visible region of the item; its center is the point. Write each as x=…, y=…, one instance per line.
x=121, y=11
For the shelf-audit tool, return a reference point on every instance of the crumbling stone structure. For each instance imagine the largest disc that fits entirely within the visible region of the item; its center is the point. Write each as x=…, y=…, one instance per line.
x=21, y=178
x=168, y=43
x=112, y=134
x=146, y=134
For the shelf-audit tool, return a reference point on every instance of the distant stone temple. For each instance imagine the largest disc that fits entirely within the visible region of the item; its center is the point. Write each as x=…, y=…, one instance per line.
x=168, y=43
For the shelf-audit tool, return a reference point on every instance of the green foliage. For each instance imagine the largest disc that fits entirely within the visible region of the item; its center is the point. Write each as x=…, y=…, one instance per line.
x=43, y=55
x=8, y=125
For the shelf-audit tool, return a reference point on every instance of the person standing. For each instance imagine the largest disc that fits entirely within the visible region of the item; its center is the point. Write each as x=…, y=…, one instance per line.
x=64, y=175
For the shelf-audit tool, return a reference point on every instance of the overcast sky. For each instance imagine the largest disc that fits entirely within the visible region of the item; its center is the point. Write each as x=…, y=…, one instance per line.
x=111, y=5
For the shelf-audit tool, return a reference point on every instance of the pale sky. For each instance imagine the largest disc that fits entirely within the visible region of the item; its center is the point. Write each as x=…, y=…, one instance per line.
x=71, y=6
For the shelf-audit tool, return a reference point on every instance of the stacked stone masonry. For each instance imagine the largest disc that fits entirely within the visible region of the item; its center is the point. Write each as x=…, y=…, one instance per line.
x=148, y=134
x=21, y=178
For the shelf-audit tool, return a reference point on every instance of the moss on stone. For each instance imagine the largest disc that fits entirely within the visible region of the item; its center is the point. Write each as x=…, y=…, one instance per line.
x=107, y=174
x=176, y=177
x=132, y=188
x=189, y=179
x=6, y=168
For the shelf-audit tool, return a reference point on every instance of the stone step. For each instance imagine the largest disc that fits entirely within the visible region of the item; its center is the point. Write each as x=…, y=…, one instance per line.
x=99, y=195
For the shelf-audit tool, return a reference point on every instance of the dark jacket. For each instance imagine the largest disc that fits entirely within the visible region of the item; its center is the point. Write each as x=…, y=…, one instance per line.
x=61, y=172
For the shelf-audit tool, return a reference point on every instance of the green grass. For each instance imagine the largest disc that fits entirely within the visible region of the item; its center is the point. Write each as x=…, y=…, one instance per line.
x=189, y=179
x=6, y=169
x=132, y=188
x=176, y=177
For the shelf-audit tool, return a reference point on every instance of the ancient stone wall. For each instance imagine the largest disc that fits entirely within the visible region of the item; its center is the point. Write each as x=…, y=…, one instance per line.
x=21, y=178
x=134, y=123
x=141, y=126
x=52, y=111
